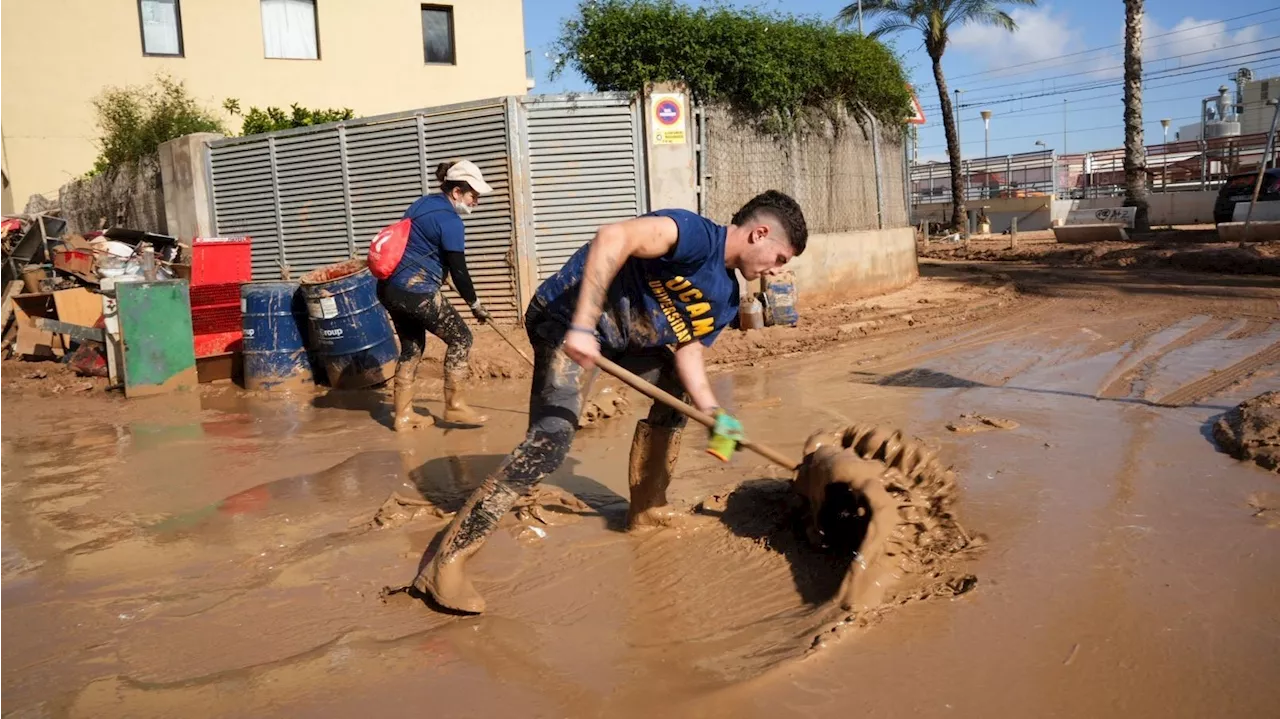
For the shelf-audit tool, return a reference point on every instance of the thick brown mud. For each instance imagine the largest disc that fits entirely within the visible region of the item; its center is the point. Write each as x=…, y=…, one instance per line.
x=1251, y=431
x=223, y=554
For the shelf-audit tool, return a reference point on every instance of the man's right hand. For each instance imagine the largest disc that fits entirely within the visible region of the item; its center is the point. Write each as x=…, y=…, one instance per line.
x=582, y=347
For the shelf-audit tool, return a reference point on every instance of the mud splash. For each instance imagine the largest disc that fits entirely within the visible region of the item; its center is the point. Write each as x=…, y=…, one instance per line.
x=890, y=502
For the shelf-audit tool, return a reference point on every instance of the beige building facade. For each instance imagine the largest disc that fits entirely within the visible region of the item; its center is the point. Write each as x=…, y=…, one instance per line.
x=374, y=56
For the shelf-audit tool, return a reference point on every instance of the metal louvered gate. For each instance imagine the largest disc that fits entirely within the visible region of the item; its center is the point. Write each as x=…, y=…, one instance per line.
x=587, y=169
x=560, y=167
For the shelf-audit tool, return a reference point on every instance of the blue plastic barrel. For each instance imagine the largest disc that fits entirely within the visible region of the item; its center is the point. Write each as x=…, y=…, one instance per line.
x=780, y=298
x=275, y=336
x=350, y=332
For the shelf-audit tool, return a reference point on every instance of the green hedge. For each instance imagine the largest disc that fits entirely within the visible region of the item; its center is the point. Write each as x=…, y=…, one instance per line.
x=772, y=67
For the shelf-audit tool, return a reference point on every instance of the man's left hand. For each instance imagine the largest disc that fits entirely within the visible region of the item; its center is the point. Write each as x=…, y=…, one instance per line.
x=725, y=436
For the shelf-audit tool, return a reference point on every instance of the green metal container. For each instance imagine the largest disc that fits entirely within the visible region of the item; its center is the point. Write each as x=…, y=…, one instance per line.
x=155, y=328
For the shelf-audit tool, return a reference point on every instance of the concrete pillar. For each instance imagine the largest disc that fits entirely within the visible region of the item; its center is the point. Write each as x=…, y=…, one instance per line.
x=188, y=198
x=669, y=148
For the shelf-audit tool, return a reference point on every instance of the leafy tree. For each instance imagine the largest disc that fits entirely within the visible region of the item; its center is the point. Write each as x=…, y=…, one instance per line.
x=773, y=67
x=134, y=120
x=935, y=19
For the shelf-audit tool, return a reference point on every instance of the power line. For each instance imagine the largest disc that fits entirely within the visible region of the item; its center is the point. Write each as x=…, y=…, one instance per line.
x=1113, y=96
x=1149, y=37
x=1073, y=109
x=1151, y=75
x=999, y=82
x=1043, y=134
x=1100, y=84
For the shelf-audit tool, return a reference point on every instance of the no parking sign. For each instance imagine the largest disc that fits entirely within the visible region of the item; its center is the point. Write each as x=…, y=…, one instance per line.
x=668, y=119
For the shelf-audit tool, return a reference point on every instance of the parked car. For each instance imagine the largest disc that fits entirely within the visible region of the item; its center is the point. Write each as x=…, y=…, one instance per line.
x=1239, y=188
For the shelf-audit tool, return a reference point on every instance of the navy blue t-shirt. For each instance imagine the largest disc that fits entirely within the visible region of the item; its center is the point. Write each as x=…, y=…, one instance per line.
x=687, y=294
x=437, y=229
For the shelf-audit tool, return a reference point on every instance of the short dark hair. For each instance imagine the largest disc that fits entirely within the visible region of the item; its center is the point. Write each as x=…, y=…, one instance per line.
x=782, y=208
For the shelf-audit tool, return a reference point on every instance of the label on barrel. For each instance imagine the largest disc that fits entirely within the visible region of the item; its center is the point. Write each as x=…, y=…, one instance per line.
x=248, y=333
x=244, y=307
x=325, y=309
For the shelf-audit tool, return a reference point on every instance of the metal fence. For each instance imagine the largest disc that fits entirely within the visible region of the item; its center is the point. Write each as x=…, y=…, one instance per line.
x=560, y=167
x=1175, y=166
x=1023, y=175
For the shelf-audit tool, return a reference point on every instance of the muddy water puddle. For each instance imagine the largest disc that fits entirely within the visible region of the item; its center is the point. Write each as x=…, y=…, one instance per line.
x=217, y=559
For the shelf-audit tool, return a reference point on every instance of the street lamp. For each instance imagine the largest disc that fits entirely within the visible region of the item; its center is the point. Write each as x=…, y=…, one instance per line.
x=1164, y=160
x=1040, y=143
x=986, y=132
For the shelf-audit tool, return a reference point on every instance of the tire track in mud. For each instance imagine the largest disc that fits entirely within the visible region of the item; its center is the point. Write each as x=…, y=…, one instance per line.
x=1218, y=381
x=1141, y=361
x=1252, y=328
x=1012, y=326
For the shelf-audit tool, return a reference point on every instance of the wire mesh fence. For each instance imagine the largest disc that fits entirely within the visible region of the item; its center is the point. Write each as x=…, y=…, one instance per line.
x=831, y=171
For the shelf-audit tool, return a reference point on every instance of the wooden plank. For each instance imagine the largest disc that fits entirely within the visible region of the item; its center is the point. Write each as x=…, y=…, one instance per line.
x=32, y=341
x=78, y=306
x=79, y=332
x=9, y=293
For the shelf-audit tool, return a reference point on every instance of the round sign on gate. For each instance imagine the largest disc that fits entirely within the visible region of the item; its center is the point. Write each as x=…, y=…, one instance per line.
x=668, y=112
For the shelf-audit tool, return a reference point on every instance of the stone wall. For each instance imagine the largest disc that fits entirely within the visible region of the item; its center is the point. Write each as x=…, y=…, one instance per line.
x=129, y=196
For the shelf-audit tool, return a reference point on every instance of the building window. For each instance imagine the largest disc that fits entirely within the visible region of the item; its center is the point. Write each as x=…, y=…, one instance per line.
x=161, y=22
x=289, y=29
x=437, y=35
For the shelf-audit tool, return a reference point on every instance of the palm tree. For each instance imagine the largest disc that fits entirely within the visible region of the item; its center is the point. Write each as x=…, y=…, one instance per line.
x=936, y=19
x=1135, y=154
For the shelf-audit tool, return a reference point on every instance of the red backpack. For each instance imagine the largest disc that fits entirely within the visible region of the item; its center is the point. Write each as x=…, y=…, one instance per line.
x=387, y=248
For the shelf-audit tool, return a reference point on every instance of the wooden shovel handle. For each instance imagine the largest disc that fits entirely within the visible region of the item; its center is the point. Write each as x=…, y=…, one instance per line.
x=689, y=411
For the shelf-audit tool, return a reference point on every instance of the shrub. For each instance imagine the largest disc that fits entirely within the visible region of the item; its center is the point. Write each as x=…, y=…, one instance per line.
x=273, y=118
x=773, y=67
x=134, y=120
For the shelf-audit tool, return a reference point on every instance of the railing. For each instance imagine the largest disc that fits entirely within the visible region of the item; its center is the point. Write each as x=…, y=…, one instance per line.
x=1171, y=167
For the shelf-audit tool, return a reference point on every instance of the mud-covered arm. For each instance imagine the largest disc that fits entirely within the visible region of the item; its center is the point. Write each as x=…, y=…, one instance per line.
x=459, y=277
x=646, y=237
x=692, y=370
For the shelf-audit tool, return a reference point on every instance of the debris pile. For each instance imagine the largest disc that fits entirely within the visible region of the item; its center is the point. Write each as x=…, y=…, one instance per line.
x=59, y=300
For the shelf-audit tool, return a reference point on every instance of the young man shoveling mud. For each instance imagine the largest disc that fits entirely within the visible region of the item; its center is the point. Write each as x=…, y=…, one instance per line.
x=638, y=289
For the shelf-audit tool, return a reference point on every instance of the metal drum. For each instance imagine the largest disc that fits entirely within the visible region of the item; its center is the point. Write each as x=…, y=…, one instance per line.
x=350, y=331
x=275, y=336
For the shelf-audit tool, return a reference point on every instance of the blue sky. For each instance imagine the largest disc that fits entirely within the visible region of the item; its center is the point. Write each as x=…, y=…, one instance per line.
x=1191, y=49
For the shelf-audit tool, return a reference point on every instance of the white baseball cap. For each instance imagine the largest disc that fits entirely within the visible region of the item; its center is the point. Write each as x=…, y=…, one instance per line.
x=466, y=171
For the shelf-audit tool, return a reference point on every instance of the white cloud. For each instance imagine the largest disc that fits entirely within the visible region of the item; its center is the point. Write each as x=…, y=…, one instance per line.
x=1041, y=34
x=1200, y=41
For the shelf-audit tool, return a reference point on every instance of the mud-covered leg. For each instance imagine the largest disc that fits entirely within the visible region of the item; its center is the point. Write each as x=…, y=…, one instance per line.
x=413, y=336
x=553, y=412
x=448, y=326
x=655, y=447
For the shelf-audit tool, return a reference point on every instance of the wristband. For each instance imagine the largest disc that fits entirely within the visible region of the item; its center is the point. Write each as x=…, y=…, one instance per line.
x=584, y=330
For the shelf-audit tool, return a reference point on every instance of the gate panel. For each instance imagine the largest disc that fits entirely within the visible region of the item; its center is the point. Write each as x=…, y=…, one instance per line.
x=586, y=171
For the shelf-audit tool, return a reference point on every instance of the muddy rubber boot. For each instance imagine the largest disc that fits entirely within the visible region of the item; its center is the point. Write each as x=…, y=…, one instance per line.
x=405, y=418
x=444, y=577
x=456, y=410
x=653, y=457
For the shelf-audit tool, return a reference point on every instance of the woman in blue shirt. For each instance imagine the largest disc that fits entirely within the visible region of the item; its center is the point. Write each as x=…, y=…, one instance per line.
x=412, y=296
